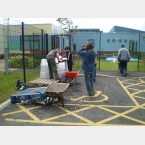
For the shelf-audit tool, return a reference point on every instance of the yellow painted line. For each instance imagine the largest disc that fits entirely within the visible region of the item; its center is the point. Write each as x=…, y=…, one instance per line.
x=53, y=123
x=134, y=89
x=77, y=116
x=142, y=80
x=97, y=93
x=139, y=97
x=28, y=113
x=139, y=84
x=121, y=115
x=126, y=80
x=138, y=92
x=99, y=105
x=104, y=99
x=66, y=114
x=79, y=98
x=15, y=112
x=130, y=95
x=116, y=125
x=143, y=107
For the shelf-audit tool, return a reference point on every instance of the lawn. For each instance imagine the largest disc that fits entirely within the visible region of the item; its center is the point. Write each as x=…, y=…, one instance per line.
x=8, y=83
x=111, y=66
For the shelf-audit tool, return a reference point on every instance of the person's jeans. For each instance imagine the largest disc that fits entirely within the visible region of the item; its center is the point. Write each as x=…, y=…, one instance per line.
x=89, y=82
x=123, y=66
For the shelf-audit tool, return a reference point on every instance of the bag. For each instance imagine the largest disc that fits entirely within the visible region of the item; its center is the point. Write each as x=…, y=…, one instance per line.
x=21, y=85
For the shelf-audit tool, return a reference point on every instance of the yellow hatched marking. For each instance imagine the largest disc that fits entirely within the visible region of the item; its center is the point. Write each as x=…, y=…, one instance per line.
x=139, y=84
x=143, y=107
x=66, y=114
x=121, y=115
x=142, y=80
x=126, y=80
x=130, y=95
x=138, y=92
x=28, y=113
x=134, y=89
x=15, y=112
x=78, y=116
x=139, y=97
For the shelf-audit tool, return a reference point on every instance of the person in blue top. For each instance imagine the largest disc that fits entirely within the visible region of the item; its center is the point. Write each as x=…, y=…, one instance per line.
x=88, y=58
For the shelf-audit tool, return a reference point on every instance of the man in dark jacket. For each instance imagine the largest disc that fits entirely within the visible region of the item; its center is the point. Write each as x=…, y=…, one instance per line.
x=69, y=58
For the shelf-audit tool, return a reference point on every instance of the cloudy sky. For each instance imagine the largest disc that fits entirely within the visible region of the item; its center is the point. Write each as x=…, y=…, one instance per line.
x=104, y=24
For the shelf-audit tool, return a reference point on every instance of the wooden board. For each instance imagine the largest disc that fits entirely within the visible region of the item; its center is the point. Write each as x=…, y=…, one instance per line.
x=41, y=82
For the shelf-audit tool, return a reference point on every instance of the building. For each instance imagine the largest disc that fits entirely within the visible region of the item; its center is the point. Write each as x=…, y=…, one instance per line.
x=110, y=42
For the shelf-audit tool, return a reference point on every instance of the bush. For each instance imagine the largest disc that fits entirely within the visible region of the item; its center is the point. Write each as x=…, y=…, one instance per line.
x=17, y=62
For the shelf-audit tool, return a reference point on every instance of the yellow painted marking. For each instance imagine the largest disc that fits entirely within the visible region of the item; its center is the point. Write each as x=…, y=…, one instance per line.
x=134, y=89
x=40, y=122
x=139, y=84
x=77, y=116
x=143, y=107
x=121, y=115
x=130, y=95
x=97, y=93
x=104, y=99
x=139, y=97
x=66, y=114
x=28, y=113
x=91, y=105
x=142, y=80
x=15, y=112
x=126, y=81
x=138, y=92
x=88, y=106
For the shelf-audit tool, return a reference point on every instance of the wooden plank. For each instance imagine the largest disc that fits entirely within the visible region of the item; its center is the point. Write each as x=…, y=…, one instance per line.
x=41, y=82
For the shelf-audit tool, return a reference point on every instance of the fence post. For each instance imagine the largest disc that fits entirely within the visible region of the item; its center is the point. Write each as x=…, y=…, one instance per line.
x=42, y=41
x=23, y=49
x=99, y=49
x=138, y=53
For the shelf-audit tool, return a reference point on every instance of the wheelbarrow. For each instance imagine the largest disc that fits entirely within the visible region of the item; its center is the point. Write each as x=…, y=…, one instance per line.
x=53, y=93
x=71, y=76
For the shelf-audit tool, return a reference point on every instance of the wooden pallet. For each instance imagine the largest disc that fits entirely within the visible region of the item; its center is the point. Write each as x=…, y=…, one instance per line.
x=41, y=82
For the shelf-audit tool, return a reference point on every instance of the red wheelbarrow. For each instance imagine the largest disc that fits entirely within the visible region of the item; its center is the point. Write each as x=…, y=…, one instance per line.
x=71, y=76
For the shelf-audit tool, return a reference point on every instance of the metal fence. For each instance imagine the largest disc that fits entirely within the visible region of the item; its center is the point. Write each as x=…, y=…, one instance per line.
x=23, y=47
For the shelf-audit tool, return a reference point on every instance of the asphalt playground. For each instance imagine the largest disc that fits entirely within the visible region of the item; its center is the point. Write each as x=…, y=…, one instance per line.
x=118, y=101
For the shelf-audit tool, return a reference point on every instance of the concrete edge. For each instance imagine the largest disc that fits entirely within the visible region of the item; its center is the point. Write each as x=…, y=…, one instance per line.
x=5, y=104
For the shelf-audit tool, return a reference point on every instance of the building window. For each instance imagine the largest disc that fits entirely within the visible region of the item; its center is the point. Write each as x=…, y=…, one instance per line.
x=113, y=40
x=120, y=40
x=108, y=40
x=125, y=41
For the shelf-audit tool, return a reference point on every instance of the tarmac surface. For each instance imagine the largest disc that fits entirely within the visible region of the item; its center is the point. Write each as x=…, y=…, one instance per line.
x=118, y=101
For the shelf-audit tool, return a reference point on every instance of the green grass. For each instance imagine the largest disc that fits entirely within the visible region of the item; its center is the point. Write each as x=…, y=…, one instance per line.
x=111, y=66
x=8, y=83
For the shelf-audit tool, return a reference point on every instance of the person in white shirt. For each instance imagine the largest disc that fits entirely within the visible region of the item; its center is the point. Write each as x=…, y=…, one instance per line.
x=123, y=57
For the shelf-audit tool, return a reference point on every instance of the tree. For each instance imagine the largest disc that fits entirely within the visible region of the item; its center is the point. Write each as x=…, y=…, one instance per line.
x=67, y=24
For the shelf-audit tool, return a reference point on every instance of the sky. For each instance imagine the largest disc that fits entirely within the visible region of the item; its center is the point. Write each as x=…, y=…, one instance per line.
x=104, y=24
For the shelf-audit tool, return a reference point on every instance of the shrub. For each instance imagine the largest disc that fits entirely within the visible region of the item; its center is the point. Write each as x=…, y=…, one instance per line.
x=17, y=62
